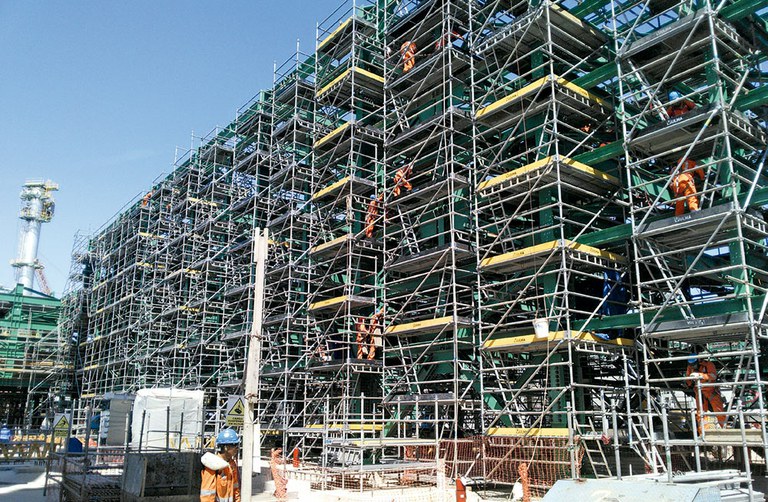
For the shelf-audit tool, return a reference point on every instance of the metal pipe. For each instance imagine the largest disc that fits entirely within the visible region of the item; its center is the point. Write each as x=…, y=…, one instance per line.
x=571, y=445
x=181, y=429
x=745, y=451
x=141, y=430
x=616, y=452
x=696, y=447
x=667, y=448
x=87, y=438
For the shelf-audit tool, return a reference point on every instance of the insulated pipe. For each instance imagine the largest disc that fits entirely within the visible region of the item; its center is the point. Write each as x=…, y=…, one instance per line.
x=29, y=239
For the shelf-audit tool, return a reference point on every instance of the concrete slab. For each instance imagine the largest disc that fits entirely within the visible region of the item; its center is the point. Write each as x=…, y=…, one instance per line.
x=611, y=490
x=22, y=482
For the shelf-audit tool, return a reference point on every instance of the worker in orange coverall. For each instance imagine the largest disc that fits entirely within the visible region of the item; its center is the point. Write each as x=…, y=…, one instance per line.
x=401, y=180
x=372, y=214
x=220, y=476
x=712, y=401
x=683, y=186
x=680, y=106
x=374, y=328
x=408, y=51
x=276, y=461
x=361, y=338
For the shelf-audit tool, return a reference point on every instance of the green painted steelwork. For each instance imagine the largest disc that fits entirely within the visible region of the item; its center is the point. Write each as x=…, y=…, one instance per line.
x=610, y=151
x=755, y=98
x=601, y=74
x=588, y=7
x=741, y=9
x=27, y=351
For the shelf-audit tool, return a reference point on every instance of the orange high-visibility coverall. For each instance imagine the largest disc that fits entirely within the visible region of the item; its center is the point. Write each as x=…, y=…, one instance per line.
x=408, y=51
x=401, y=180
x=370, y=217
x=710, y=395
x=680, y=108
x=281, y=484
x=372, y=327
x=362, y=335
x=684, y=185
x=220, y=480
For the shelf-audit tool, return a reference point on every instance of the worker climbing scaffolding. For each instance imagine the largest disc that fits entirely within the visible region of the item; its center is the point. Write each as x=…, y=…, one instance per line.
x=683, y=185
x=372, y=214
x=374, y=330
x=447, y=39
x=361, y=337
x=711, y=400
x=408, y=53
x=374, y=206
x=401, y=180
x=366, y=334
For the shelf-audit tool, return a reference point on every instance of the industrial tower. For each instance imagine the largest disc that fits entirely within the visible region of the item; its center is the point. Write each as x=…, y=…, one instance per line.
x=37, y=207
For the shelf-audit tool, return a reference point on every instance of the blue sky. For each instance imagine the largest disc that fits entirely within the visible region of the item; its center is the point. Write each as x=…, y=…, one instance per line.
x=98, y=95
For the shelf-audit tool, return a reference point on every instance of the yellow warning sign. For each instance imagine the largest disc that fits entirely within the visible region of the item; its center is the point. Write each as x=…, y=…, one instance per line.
x=235, y=411
x=60, y=425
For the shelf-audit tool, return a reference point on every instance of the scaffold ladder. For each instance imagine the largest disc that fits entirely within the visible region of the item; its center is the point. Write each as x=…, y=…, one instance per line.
x=648, y=90
x=596, y=455
x=670, y=279
x=641, y=443
x=409, y=234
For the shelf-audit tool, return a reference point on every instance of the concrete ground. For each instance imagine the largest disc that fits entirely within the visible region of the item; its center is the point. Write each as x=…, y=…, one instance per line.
x=26, y=482
x=22, y=482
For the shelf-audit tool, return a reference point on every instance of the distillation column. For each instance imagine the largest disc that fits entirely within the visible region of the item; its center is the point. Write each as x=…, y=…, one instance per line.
x=37, y=207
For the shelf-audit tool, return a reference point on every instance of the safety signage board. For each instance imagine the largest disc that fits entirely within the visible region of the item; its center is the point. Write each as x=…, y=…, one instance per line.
x=61, y=424
x=235, y=410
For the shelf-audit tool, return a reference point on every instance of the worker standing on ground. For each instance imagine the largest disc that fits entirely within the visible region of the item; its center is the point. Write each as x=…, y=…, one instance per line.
x=276, y=461
x=683, y=186
x=705, y=371
x=408, y=52
x=679, y=106
x=220, y=476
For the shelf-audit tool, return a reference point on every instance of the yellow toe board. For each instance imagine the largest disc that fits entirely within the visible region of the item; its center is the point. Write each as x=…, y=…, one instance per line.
x=530, y=343
x=503, y=260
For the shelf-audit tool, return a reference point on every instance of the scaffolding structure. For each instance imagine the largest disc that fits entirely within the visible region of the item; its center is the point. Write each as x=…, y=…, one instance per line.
x=286, y=323
x=432, y=386
x=29, y=350
x=168, y=283
x=504, y=235
x=344, y=258
x=553, y=363
x=689, y=74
